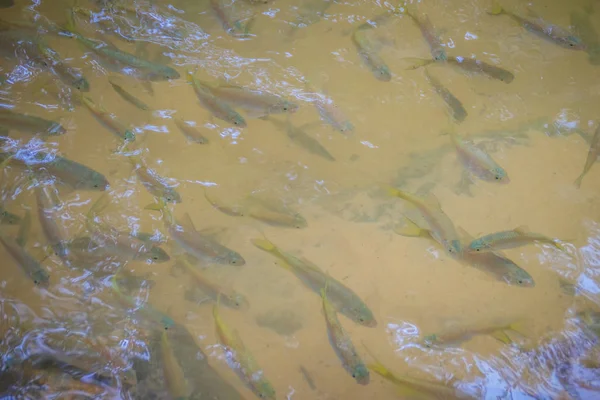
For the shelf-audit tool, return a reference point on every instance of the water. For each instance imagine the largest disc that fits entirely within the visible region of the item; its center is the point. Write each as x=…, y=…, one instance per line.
x=537, y=127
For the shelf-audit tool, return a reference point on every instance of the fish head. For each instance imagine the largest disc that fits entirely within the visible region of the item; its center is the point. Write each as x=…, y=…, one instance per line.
x=7, y=218
x=94, y=182
x=82, y=84
x=238, y=301
x=170, y=73
x=363, y=315
x=236, y=119
x=299, y=222
x=519, y=277
x=430, y=340
x=41, y=278
x=235, y=258
x=157, y=255
x=439, y=54
x=500, y=175
x=263, y=389
x=128, y=377
x=56, y=129
x=129, y=135
x=573, y=42
x=382, y=73
x=171, y=196
x=345, y=127
x=478, y=246
x=453, y=247
x=361, y=374
x=506, y=76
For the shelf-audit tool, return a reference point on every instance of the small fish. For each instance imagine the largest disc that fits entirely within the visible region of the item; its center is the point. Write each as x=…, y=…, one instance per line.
x=453, y=337
x=29, y=123
x=301, y=138
x=213, y=291
x=50, y=59
x=310, y=13
x=274, y=214
x=342, y=344
x=172, y=370
x=458, y=111
x=307, y=378
x=591, y=157
x=441, y=227
x=370, y=57
x=108, y=120
x=76, y=175
x=544, y=30
x=509, y=240
x=8, y=218
x=217, y=107
x=413, y=388
x=199, y=245
x=155, y=184
x=191, y=133
x=583, y=28
x=32, y=268
x=256, y=103
x=477, y=161
x=128, y=96
x=145, y=69
x=233, y=27
x=428, y=32
x=330, y=113
x=343, y=298
x=469, y=65
x=241, y=359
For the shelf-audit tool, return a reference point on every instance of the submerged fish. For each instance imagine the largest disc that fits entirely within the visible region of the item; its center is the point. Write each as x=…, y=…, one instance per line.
x=477, y=161
x=370, y=57
x=217, y=107
x=232, y=26
x=32, y=268
x=190, y=132
x=469, y=65
x=172, y=370
x=123, y=60
x=210, y=289
x=29, y=123
x=583, y=28
x=441, y=227
x=330, y=113
x=428, y=32
x=591, y=157
x=108, y=120
x=72, y=173
x=65, y=73
x=155, y=184
x=509, y=239
x=458, y=111
x=342, y=344
x=8, y=218
x=301, y=138
x=546, y=31
x=202, y=246
x=256, y=103
x=242, y=361
x=310, y=13
x=452, y=337
x=343, y=298
x=128, y=96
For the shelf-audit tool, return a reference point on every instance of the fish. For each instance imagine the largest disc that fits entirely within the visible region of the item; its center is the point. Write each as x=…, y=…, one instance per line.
x=195, y=243
x=108, y=120
x=29, y=123
x=411, y=387
x=71, y=173
x=120, y=243
x=8, y=218
x=50, y=59
x=342, y=344
x=370, y=57
x=584, y=29
x=517, y=237
x=29, y=265
x=591, y=157
x=330, y=113
x=310, y=13
x=242, y=361
x=213, y=291
x=428, y=32
x=455, y=336
x=121, y=59
x=307, y=378
x=172, y=370
x=217, y=107
x=441, y=227
x=274, y=214
x=458, y=111
x=155, y=184
x=542, y=29
x=233, y=27
x=256, y=103
x=477, y=161
x=128, y=96
x=143, y=309
x=191, y=133
x=343, y=298
x=469, y=65
x=302, y=139
x=108, y=25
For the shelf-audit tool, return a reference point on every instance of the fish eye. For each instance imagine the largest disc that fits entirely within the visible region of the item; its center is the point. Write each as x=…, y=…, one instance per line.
x=520, y=281
x=155, y=258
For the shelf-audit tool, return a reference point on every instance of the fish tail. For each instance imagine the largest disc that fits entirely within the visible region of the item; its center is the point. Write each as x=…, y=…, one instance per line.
x=517, y=327
x=98, y=206
x=496, y=8
x=579, y=180
x=265, y=245
x=397, y=193
x=502, y=336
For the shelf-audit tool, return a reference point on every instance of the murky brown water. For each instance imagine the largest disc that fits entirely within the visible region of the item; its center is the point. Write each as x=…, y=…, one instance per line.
x=62, y=338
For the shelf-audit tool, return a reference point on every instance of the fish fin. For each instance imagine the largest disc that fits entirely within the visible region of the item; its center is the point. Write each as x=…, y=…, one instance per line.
x=502, y=336
x=409, y=229
x=517, y=327
x=99, y=205
x=7, y=161
x=231, y=211
x=187, y=223
x=496, y=8
x=24, y=229
x=154, y=207
x=70, y=24
x=522, y=229
x=265, y=245
x=579, y=180
x=464, y=235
